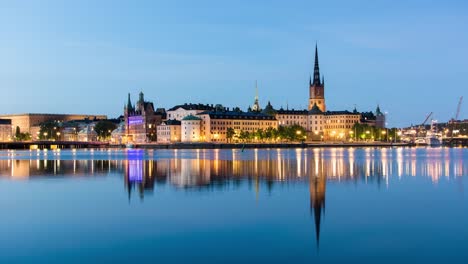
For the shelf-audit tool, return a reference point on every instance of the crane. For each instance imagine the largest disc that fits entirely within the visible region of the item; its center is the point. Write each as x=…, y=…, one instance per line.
x=458, y=108
x=454, y=120
x=427, y=118
x=421, y=126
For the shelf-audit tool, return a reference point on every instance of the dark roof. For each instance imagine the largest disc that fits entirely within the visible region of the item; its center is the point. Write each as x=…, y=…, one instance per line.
x=191, y=117
x=315, y=110
x=345, y=112
x=237, y=115
x=186, y=106
x=172, y=122
x=292, y=112
x=5, y=121
x=269, y=110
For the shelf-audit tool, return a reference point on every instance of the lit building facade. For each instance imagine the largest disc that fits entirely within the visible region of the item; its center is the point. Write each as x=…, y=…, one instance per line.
x=190, y=129
x=339, y=125
x=141, y=120
x=169, y=131
x=87, y=134
x=215, y=124
x=5, y=130
x=29, y=123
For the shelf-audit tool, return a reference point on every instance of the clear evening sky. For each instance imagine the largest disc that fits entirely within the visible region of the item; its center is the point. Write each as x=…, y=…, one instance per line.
x=411, y=57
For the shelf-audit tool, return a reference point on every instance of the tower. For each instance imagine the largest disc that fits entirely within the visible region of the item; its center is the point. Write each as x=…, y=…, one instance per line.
x=379, y=118
x=256, y=105
x=316, y=87
x=317, y=188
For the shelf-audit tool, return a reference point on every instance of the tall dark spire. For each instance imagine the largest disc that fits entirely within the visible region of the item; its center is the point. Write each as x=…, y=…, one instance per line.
x=316, y=68
x=129, y=103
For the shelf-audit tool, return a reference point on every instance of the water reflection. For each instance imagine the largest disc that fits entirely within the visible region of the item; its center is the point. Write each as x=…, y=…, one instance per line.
x=207, y=170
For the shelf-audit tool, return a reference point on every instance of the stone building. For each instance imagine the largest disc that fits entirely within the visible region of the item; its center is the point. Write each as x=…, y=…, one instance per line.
x=169, y=131
x=29, y=123
x=5, y=130
x=339, y=124
x=141, y=120
x=215, y=124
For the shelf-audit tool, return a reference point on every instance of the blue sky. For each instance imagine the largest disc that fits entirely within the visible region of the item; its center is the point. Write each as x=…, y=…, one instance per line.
x=410, y=57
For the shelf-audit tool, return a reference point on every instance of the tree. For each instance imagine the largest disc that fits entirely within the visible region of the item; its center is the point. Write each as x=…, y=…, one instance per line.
x=21, y=136
x=49, y=130
x=230, y=133
x=244, y=135
x=104, y=128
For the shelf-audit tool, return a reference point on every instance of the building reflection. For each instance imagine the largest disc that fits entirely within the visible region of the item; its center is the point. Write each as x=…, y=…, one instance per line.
x=259, y=168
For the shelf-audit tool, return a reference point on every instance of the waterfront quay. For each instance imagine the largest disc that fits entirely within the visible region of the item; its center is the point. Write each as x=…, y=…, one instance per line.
x=52, y=145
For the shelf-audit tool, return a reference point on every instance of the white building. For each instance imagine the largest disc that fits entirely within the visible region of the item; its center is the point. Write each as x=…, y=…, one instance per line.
x=118, y=135
x=87, y=134
x=178, y=112
x=190, y=129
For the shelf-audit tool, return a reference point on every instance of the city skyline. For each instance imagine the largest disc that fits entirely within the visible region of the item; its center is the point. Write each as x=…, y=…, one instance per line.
x=212, y=53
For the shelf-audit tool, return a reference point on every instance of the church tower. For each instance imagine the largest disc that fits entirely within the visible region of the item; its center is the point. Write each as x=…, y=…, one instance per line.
x=317, y=91
x=256, y=105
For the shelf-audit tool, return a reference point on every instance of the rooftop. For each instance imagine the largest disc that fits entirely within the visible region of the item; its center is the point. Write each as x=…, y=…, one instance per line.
x=191, y=117
x=186, y=106
x=237, y=115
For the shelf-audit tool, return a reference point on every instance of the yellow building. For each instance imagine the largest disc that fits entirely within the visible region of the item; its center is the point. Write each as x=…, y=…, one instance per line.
x=215, y=124
x=169, y=131
x=339, y=125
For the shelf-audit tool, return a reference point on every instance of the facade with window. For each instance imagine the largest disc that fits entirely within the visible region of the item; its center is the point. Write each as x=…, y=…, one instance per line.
x=169, y=131
x=190, y=129
x=339, y=125
x=5, y=130
x=141, y=120
x=215, y=124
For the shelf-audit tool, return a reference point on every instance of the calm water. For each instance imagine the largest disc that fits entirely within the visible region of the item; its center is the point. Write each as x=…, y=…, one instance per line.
x=227, y=206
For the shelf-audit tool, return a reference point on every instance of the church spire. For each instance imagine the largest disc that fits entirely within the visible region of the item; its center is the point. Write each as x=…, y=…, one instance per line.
x=129, y=103
x=256, y=105
x=316, y=68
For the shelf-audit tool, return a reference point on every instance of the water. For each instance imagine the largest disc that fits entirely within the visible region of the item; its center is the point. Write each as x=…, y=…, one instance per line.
x=227, y=206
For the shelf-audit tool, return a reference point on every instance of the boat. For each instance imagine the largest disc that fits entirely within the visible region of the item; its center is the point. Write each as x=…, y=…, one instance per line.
x=420, y=141
x=433, y=141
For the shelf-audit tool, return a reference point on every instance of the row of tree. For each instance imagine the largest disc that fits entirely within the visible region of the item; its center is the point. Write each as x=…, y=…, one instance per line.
x=52, y=130
x=283, y=133
x=364, y=132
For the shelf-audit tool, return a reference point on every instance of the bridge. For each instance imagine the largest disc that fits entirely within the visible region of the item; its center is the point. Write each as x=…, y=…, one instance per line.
x=52, y=145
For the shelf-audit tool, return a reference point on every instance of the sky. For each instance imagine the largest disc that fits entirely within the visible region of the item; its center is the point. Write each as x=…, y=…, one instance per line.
x=410, y=57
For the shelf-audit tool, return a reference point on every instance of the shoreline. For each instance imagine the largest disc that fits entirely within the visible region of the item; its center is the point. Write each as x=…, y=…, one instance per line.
x=264, y=145
x=97, y=145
